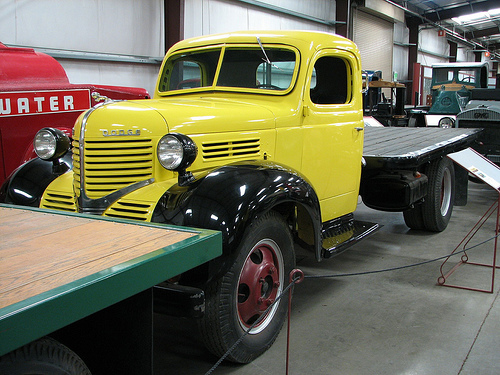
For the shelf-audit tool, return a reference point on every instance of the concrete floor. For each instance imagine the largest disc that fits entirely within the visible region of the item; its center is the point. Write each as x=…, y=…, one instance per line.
x=398, y=322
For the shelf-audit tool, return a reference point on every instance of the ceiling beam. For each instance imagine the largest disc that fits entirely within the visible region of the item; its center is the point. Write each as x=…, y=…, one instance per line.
x=493, y=46
x=469, y=8
x=484, y=32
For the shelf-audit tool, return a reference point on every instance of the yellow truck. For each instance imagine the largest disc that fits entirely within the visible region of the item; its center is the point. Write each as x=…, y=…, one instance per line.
x=258, y=135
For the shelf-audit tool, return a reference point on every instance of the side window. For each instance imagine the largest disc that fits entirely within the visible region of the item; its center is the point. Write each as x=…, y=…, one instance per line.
x=185, y=74
x=189, y=70
x=329, y=84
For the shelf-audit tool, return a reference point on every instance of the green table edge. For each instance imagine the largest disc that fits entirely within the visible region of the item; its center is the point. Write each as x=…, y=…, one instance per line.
x=37, y=316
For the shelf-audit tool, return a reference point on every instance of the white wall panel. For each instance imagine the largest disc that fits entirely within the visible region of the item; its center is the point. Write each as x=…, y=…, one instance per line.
x=214, y=16
x=322, y=9
x=224, y=16
x=128, y=27
x=400, y=51
x=7, y=20
x=465, y=53
x=433, y=49
x=111, y=26
x=111, y=73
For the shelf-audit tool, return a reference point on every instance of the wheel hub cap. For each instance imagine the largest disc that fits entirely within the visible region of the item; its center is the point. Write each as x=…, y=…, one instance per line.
x=259, y=285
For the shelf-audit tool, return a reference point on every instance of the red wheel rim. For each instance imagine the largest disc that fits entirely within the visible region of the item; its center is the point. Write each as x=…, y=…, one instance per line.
x=260, y=282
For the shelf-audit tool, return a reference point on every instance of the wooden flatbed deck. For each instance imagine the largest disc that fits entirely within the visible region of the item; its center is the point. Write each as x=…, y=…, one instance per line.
x=403, y=148
x=57, y=268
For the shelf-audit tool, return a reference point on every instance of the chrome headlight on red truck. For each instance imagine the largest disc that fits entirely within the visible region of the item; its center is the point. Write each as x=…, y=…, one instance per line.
x=51, y=144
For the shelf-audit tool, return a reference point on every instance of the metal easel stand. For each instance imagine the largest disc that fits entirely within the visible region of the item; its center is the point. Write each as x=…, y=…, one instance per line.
x=488, y=172
x=494, y=208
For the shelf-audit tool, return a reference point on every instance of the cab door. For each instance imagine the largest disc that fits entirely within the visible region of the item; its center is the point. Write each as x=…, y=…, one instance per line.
x=333, y=131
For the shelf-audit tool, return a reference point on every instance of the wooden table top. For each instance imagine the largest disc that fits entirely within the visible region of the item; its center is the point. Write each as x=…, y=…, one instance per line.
x=40, y=251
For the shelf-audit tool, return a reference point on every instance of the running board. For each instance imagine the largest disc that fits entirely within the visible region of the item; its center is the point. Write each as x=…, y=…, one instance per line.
x=340, y=238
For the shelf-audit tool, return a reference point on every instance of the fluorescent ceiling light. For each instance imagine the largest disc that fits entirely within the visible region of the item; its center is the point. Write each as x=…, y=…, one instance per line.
x=475, y=17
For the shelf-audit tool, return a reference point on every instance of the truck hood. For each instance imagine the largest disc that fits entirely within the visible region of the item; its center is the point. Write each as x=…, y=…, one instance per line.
x=449, y=101
x=484, y=104
x=208, y=115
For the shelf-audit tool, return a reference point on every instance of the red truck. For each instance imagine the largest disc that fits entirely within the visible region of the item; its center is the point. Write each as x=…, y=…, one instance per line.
x=35, y=93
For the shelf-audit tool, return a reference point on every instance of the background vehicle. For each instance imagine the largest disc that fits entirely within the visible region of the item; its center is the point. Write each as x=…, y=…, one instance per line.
x=267, y=148
x=483, y=112
x=384, y=101
x=35, y=92
x=450, y=89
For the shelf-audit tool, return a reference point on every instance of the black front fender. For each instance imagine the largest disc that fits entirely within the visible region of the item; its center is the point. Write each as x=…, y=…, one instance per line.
x=25, y=186
x=229, y=198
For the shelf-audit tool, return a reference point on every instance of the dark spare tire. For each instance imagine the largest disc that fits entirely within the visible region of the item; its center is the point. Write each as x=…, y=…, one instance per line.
x=45, y=356
x=414, y=218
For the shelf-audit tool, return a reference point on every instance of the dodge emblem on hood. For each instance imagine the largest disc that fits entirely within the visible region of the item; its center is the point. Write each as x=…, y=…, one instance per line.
x=121, y=132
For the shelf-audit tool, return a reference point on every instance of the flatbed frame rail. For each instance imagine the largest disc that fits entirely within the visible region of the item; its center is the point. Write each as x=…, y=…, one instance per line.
x=408, y=148
x=57, y=268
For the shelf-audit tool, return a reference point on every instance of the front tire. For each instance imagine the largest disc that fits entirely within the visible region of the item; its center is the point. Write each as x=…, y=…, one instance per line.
x=237, y=299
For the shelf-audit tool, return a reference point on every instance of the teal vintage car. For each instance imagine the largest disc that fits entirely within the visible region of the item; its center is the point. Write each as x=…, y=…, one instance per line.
x=450, y=89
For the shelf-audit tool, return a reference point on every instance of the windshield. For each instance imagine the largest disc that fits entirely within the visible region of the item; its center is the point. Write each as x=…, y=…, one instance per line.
x=466, y=76
x=266, y=68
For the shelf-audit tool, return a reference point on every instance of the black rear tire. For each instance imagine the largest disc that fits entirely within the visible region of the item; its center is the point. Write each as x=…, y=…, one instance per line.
x=438, y=205
x=260, y=272
x=414, y=218
x=45, y=356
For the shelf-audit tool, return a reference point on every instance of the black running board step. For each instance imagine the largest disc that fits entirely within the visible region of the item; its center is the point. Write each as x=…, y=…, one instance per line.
x=339, y=241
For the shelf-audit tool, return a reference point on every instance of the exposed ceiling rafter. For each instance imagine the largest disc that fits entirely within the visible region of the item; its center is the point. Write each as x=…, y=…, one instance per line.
x=483, y=34
x=443, y=13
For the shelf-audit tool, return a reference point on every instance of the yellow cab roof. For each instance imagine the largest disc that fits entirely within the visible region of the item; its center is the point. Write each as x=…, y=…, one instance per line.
x=303, y=40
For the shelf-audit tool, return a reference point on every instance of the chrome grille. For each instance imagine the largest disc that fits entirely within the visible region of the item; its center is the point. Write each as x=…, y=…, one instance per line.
x=479, y=114
x=230, y=149
x=111, y=165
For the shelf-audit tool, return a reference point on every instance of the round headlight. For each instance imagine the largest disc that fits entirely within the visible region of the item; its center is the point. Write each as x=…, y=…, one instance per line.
x=170, y=152
x=176, y=151
x=51, y=144
x=446, y=122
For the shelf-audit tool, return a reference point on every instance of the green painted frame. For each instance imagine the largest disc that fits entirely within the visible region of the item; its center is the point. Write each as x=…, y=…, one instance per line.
x=35, y=317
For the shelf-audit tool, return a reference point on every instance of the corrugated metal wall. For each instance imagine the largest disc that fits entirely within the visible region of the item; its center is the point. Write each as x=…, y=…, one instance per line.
x=118, y=32
x=114, y=31
x=215, y=16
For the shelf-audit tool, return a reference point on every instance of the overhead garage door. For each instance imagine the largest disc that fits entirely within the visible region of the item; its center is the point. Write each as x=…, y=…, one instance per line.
x=374, y=37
